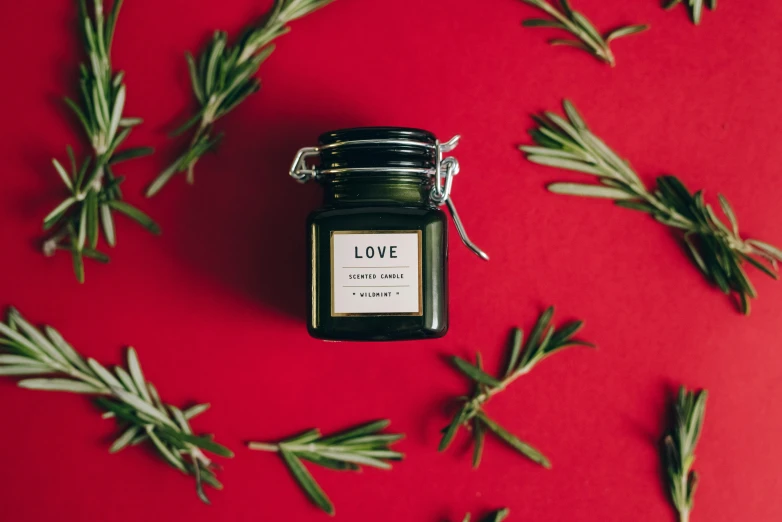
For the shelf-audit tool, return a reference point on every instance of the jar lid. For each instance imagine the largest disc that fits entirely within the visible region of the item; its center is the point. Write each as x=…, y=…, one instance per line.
x=396, y=150
x=342, y=136
x=358, y=150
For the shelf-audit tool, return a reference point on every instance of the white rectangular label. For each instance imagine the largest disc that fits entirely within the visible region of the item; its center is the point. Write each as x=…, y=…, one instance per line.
x=376, y=273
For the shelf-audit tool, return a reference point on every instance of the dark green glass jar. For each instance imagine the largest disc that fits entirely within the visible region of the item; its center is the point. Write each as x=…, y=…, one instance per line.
x=378, y=247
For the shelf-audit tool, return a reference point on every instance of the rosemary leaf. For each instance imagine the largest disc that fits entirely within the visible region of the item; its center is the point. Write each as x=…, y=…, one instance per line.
x=51, y=364
x=65, y=385
x=347, y=450
x=479, y=438
x=695, y=7
x=497, y=516
x=678, y=452
x=474, y=373
x=514, y=442
x=306, y=482
x=450, y=431
x=625, y=31
x=544, y=340
x=716, y=249
x=93, y=191
x=223, y=76
x=136, y=215
x=587, y=37
x=125, y=439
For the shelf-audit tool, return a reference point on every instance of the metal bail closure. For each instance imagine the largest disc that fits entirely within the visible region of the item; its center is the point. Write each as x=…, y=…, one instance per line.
x=443, y=173
x=300, y=171
x=462, y=233
x=445, y=170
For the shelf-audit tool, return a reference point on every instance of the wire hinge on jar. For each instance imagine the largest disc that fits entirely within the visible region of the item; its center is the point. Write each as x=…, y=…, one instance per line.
x=443, y=173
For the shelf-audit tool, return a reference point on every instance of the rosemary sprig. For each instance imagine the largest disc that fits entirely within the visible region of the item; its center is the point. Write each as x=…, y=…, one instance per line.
x=544, y=340
x=48, y=362
x=679, y=449
x=716, y=248
x=94, y=192
x=497, y=516
x=347, y=450
x=695, y=7
x=224, y=76
x=587, y=37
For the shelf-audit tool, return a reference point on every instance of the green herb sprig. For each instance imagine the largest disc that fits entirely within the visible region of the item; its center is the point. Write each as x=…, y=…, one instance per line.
x=94, y=189
x=716, y=248
x=48, y=362
x=347, y=450
x=497, y=516
x=679, y=449
x=224, y=76
x=695, y=7
x=587, y=37
x=544, y=340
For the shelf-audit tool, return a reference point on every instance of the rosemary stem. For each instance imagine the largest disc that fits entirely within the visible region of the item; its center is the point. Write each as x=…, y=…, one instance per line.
x=604, y=53
x=123, y=394
x=223, y=76
x=273, y=28
x=74, y=373
x=491, y=392
x=264, y=446
x=684, y=510
x=50, y=245
x=95, y=182
x=198, y=456
x=310, y=447
x=203, y=129
x=686, y=223
x=100, y=388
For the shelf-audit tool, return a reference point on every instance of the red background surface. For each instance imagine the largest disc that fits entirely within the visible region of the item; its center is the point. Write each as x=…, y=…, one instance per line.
x=216, y=305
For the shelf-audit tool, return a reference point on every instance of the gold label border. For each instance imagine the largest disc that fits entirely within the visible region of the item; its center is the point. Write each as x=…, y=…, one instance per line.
x=420, y=312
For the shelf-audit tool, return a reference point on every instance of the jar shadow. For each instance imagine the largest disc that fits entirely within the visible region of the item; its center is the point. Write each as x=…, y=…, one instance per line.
x=243, y=222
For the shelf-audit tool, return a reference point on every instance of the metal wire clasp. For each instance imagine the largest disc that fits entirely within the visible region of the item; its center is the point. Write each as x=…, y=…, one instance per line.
x=299, y=169
x=443, y=173
x=445, y=170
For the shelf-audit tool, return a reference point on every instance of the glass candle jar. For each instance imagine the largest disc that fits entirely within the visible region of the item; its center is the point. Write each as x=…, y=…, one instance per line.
x=378, y=248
